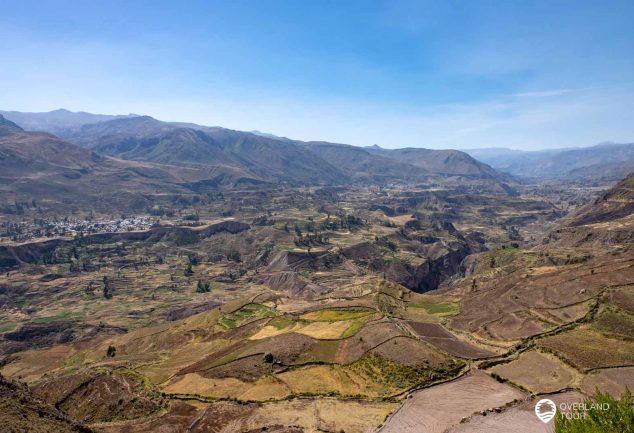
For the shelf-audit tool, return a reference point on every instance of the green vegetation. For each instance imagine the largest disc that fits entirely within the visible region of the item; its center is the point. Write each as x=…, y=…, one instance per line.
x=437, y=308
x=246, y=314
x=107, y=289
x=615, y=323
x=395, y=376
x=203, y=287
x=188, y=270
x=611, y=416
x=281, y=322
x=335, y=315
x=76, y=359
x=353, y=328
x=7, y=327
x=66, y=315
x=111, y=352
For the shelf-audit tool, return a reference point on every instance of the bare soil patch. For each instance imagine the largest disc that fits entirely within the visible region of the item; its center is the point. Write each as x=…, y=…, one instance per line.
x=611, y=380
x=248, y=369
x=623, y=297
x=293, y=416
x=176, y=420
x=327, y=414
x=516, y=305
x=409, y=351
x=109, y=397
x=368, y=337
x=517, y=419
x=435, y=409
x=284, y=348
x=538, y=372
x=440, y=337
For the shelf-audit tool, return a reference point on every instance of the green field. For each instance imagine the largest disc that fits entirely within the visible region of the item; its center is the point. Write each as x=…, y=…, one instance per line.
x=437, y=308
x=246, y=314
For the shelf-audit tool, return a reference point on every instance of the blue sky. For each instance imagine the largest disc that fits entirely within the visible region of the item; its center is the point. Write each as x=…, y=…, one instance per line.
x=442, y=74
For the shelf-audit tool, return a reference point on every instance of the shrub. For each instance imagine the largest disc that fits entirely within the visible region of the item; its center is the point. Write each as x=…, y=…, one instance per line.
x=617, y=418
x=203, y=287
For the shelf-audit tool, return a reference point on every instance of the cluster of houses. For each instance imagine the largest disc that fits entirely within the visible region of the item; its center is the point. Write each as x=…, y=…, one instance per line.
x=72, y=227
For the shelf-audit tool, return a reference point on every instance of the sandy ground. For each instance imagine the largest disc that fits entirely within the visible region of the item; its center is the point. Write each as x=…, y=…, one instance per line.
x=435, y=409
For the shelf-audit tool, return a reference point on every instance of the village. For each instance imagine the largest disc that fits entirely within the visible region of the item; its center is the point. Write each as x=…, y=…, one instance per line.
x=27, y=230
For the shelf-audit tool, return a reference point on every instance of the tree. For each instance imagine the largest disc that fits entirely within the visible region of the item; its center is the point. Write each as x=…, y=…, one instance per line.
x=90, y=290
x=189, y=271
x=203, y=287
x=234, y=255
x=193, y=259
x=107, y=290
x=111, y=352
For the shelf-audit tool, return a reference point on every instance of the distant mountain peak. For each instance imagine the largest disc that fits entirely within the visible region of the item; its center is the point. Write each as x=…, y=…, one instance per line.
x=60, y=122
x=8, y=126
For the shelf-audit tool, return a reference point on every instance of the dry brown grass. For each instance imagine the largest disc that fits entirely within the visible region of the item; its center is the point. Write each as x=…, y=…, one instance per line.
x=325, y=330
x=588, y=349
x=520, y=304
x=265, y=388
x=32, y=365
x=315, y=416
x=538, y=372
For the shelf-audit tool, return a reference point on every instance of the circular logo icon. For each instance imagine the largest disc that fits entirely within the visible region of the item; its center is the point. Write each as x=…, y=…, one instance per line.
x=545, y=410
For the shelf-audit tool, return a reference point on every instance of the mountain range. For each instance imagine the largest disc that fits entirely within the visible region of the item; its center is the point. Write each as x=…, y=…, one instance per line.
x=607, y=161
x=40, y=166
x=67, y=155
x=193, y=157
x=58, y=121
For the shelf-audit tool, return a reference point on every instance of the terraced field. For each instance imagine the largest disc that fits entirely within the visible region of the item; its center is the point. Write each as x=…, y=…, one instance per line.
x=395, y=323
x=444, y=340
x=436, y=409
x=538, y=372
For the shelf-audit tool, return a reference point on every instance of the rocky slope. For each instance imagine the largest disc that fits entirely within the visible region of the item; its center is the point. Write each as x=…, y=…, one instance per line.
x=609, y=220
